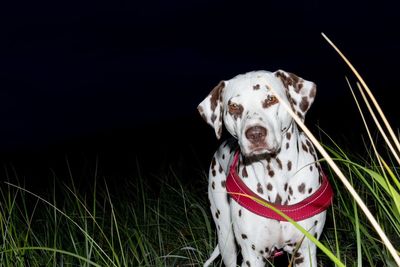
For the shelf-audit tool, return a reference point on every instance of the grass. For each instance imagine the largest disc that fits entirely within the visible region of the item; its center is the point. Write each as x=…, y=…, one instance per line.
x=356, y=241
x=168, y=222
x=135, y=226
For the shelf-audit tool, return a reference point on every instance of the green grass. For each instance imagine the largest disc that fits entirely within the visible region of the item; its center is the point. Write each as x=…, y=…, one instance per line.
x=169, y=224
x=355, y=240
x=134, y=226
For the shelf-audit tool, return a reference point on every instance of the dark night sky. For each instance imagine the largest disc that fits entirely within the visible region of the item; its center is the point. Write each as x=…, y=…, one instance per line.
x=77, y=69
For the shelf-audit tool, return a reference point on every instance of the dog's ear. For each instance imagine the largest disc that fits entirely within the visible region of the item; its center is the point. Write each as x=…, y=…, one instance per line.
x=301, y=93
x=211, y=108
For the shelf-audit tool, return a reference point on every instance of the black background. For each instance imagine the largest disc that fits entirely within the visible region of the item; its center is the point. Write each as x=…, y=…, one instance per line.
x=120, y=81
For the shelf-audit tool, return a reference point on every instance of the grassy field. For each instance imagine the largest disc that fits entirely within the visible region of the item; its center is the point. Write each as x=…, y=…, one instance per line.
x=165, y=221
x=163, y=224
x=169, y=224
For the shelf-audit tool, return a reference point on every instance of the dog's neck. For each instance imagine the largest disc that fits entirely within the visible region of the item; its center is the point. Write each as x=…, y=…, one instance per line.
x=287, y=176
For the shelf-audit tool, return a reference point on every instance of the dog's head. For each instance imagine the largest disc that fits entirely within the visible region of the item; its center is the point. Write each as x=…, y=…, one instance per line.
x=251, y=112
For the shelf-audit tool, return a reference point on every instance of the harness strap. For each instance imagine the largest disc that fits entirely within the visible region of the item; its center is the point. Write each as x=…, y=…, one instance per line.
x=319, y=201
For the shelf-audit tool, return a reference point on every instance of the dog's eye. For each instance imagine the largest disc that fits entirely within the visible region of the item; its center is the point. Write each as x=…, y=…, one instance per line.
x=271, y=99
x=234, y=108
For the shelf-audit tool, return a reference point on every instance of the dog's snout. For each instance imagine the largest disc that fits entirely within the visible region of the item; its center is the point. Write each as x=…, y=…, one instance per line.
x=256, y=134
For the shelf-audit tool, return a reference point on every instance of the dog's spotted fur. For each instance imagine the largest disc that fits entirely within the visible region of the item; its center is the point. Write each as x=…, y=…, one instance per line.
x=277, y=162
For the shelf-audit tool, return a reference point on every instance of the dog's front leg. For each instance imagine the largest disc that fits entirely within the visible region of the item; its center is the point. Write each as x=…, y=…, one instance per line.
x=220, y=208
x=306, y=256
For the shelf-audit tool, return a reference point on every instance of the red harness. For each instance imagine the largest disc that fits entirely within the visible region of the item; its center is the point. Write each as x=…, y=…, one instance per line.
x=310, y=206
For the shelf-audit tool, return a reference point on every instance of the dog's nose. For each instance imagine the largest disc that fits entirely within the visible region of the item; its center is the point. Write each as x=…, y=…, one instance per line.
x=256, y=134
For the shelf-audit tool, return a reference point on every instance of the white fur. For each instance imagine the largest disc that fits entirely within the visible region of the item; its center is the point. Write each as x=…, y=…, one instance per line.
x=284, y=152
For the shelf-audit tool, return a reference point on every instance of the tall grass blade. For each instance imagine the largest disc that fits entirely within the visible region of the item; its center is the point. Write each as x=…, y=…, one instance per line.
x=364, y=85
x=344, y=180
x=365, y=124
x=378, y=125
x=103, y=253
x=59, y=251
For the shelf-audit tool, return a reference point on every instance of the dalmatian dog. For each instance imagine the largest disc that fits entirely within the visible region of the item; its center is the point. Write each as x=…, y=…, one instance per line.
x=277, y=162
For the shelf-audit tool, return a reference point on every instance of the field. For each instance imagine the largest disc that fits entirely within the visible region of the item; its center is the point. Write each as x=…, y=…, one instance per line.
x=162, y=219
x=168, y=222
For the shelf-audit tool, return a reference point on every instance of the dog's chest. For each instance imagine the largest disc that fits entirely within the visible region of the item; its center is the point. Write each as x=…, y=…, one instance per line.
x=262, y=233
x=267, y=179
x=279, y=180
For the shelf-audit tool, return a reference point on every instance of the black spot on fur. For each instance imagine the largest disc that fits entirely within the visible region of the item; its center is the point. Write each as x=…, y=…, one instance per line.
x=259, y=189
x=244, y=172
x=289, y=165
x=278, y=200
x=279, y=163
x=304, y=147
x=302, y=188
x=299, y=260
x=269, y=186
x=213, y=162
x=228, y=199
